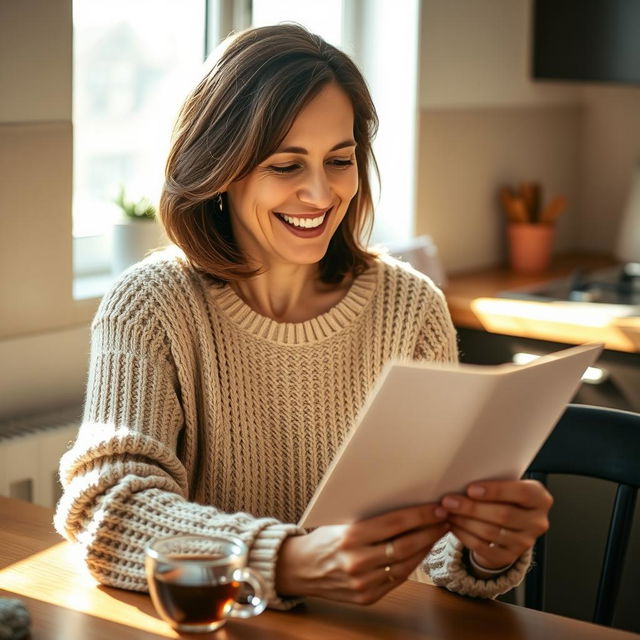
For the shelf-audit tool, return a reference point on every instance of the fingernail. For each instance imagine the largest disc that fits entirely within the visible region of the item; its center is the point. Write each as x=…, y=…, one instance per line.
x=476, y=491
x=440, y=512
x=450, y=503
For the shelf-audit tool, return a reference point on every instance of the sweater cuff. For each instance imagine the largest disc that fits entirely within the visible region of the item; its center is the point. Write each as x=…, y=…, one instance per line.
x=447, y=569
x=263, y=556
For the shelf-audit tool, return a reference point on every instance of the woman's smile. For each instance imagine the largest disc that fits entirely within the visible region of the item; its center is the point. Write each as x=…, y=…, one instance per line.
x=308, y=225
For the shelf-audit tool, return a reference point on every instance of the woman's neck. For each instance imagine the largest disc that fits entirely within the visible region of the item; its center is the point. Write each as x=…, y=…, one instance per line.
x=290, y=293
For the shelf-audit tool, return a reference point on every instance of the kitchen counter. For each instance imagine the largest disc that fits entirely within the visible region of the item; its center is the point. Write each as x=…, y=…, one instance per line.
x=473, y=302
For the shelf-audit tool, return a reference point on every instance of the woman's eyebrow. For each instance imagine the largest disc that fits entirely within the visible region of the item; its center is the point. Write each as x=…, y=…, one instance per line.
x=302, y=150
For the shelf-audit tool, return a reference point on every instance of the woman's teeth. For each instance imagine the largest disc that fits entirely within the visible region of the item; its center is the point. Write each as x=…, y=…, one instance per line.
x=305, y=223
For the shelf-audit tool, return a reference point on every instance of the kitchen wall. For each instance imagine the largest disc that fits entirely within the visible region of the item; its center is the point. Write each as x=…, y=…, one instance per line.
x=43, y=331
x=610, y=152
x=484, y=123
x=467, y=153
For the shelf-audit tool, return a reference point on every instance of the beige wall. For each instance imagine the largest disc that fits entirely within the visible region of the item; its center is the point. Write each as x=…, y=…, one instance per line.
x=43, y=331
x=610, y=151
x=35, y=60
x=475, y=53
x=36, y=165
x=467, y=153
x=485, y=123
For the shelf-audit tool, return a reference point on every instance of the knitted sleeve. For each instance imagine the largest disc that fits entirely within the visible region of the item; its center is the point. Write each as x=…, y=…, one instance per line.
x=123, y=481
x=444, y=564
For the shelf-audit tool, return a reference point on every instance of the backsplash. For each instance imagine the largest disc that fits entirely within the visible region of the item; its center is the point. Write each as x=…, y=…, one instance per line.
x=466, y=154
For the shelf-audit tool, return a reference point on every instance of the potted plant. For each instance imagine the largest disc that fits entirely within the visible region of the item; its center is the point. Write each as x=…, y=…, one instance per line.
x=135, y=233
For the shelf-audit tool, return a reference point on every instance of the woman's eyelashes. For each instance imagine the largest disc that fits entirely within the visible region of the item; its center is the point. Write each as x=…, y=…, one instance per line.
x=288, y=168
x=336, y=163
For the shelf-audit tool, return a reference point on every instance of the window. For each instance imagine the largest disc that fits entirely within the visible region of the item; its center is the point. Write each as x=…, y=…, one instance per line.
x=324, y=17
x=134, y=62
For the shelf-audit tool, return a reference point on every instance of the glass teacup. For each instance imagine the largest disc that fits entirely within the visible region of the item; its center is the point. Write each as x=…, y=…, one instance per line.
x=194, y=581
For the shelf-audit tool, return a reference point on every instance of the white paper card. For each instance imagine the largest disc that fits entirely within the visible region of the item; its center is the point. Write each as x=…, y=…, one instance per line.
x=428, y=429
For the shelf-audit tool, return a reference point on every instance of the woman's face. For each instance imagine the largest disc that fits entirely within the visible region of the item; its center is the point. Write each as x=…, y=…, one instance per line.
x=286, y=210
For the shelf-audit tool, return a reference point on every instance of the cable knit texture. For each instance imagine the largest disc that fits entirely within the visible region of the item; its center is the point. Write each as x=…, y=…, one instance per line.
x=203, y=416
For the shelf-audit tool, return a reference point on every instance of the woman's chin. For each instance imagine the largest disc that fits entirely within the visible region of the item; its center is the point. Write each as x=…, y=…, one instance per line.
x=304, y=258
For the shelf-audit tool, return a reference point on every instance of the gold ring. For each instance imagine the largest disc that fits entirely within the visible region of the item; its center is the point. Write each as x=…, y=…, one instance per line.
x=389, y=551
x=387, y=570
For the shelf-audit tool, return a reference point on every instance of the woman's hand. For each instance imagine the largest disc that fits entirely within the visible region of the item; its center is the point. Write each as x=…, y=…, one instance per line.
x=360, y=562
x=499, y=520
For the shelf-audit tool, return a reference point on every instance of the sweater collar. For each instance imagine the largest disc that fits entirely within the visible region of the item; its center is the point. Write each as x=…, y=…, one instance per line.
x=340, y=316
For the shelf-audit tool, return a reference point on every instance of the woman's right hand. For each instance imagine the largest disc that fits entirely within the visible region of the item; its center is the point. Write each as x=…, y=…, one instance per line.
x=360, y=562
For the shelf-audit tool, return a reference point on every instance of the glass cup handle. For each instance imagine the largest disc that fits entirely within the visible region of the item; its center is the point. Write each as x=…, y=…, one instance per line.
x=258, y=601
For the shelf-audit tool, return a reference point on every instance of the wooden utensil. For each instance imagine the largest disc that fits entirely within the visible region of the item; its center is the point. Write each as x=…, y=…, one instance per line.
x=519, y=209
x=513, y=205
x=553, y=209
x=530, y=193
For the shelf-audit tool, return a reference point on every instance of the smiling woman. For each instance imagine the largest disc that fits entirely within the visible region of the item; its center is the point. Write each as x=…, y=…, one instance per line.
x=236, y=138
x=226, y=374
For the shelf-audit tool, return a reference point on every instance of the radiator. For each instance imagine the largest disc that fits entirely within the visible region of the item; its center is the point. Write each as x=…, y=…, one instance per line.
x=30, y=451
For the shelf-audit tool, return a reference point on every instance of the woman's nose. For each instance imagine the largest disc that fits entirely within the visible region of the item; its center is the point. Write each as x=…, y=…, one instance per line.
x=316, y=190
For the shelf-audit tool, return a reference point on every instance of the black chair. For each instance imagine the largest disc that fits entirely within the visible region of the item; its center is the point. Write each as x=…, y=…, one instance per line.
x=601, y=443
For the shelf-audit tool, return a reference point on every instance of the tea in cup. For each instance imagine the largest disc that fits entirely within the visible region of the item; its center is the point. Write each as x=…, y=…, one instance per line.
x=194, y=581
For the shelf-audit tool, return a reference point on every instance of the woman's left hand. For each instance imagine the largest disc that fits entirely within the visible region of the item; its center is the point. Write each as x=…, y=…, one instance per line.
x=499, y=520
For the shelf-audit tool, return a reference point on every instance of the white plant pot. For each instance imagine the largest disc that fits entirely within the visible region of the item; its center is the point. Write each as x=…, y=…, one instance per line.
x=132, y=241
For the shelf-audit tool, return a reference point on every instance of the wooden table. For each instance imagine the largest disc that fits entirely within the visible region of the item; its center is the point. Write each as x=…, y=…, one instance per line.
x=46, y=573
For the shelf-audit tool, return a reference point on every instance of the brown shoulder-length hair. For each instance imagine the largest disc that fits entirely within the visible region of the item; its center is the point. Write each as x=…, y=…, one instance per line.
x=235, y=118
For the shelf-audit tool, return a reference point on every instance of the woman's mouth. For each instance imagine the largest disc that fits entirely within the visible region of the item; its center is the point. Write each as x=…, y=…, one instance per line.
x=307, y=225
x=304, y=223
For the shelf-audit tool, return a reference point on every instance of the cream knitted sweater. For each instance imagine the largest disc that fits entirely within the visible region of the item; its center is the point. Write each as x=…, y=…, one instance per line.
x=203, y=416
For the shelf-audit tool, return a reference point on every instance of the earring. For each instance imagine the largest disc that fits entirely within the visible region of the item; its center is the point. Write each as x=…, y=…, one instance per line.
x=218, y=201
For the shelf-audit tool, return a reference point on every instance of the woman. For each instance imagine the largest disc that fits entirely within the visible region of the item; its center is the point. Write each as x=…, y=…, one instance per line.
x=224, y=375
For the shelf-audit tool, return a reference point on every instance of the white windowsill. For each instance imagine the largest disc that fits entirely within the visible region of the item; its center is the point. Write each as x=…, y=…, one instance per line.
x=93, y=286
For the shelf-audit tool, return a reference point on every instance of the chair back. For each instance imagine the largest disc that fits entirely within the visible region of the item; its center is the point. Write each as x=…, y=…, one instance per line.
x=603, y=443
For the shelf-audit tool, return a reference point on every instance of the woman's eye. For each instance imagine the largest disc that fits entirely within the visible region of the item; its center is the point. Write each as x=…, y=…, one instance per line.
x=340, y=163
x=289, y=168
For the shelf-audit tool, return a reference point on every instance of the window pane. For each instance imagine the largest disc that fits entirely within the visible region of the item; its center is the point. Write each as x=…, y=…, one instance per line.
x=323, y=17
x=134, y=62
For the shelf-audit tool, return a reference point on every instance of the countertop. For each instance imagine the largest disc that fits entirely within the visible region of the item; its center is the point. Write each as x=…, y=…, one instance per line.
x=473, y=302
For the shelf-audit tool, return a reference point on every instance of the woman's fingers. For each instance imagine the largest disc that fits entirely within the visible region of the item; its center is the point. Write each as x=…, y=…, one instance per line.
x=419, y=541
x=499, y=520
x=335, y=562
x=526, y=494
x=486, y=531
x=495, y=513
x=394, y=523
x=485, y=554
x=372, y=585
x=365, y=573
x=499, y=514
x=494, y=536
